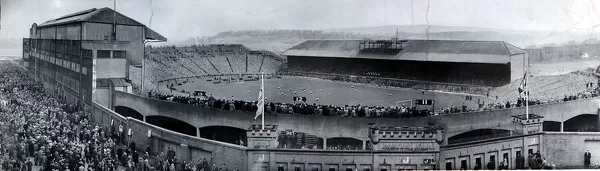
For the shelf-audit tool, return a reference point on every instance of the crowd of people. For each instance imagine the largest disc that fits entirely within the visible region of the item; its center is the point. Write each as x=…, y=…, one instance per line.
x=355, y=110
x=170, y=62
x=301, y=108
x=41, y=131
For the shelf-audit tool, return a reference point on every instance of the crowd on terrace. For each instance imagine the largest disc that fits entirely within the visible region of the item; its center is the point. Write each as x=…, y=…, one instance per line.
x=40, y=131
x=170, y=62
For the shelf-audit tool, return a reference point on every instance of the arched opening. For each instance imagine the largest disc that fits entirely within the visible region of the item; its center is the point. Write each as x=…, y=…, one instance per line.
x=225, y=134
x=299, y=140
x=581, y=123
x=479, y=134
x=172, y=124
x=344, y=143
x=551, y=126
x=129, y=112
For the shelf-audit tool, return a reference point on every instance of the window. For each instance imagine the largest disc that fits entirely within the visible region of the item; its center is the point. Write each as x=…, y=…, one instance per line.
x=103, y=54
x=86, y=53
x=84, y=70
x=119, y=54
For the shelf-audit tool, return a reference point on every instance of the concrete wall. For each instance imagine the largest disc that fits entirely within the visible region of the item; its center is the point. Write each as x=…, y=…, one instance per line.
x=111, y=68
x=187, y=147
x=566, y=149
x=328, y=127
x=107, y=68
x=339, y=160
x=132, y=34
x=485, y=149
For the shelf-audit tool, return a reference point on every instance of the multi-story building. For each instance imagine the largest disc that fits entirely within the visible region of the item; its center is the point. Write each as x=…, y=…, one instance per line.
x=84, y=56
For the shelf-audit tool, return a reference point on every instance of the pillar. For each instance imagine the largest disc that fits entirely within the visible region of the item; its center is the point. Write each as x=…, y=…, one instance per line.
x=197, y=132
x=562, y=125
x=144, y=118
x=364, y=145
x=324, y=143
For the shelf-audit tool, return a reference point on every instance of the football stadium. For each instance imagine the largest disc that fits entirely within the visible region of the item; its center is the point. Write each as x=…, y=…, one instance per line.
x=321, y=105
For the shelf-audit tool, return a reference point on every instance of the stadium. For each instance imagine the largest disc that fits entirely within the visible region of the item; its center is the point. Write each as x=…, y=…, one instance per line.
x=330, y=104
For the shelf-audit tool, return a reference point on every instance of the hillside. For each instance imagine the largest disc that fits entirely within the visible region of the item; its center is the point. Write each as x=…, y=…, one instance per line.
x=280, y=40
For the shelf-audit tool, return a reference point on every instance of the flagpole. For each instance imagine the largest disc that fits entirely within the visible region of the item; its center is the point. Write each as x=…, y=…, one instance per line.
x=527, y=93
x=262, y=88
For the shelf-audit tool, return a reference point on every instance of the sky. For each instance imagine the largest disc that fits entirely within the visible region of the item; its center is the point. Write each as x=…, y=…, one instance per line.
x=181, y=19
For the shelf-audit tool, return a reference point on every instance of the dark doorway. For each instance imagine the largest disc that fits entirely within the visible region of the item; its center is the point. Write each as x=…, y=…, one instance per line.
x=129, y=112
x=581, y=123
x=225, y=134
x=172, y=124
x=551, y=126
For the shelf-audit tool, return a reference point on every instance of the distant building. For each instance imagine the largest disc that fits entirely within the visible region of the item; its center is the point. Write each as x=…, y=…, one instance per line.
x=489, y=63
x=85, y=55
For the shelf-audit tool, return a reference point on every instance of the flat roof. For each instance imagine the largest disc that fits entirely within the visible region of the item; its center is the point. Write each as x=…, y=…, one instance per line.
x=415, y=50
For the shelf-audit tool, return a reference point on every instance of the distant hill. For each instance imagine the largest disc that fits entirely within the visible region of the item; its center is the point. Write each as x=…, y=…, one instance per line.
x=280, y=40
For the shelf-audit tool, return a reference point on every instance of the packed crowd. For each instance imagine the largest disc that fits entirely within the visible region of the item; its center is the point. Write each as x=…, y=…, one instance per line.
x=302, y=108
x=40, y=131
x=170, y=62
x=520, y=102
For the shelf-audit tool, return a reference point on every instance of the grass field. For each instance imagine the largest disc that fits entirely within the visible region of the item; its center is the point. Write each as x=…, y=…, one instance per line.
x=328, y=92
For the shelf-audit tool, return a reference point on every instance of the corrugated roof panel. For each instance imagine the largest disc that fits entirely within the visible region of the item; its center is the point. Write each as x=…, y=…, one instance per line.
x=119, y=82
x=418, y=50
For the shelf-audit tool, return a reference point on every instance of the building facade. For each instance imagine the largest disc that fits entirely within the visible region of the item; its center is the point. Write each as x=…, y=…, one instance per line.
x=84, y=56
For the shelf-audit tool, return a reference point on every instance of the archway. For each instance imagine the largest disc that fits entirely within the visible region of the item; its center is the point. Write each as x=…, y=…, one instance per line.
x=581, y=123
x=172, y=124
x=479, y=134
x=225, y=134
x=551, y=126
x=344, y=143
x=129, y=112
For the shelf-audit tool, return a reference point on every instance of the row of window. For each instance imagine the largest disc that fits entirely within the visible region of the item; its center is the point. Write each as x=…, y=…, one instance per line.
x=107, y=54
x=75, y=67
x=64, y=46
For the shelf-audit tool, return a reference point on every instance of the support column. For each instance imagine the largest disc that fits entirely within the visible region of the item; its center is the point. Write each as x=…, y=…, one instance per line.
x=562, y=125
x=364, y=145
x=144, y=118
x=324, y=143
x=197, y=132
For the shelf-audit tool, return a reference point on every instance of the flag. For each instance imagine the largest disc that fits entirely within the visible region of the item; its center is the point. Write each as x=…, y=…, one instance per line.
x=523, y=84
x=261, y=103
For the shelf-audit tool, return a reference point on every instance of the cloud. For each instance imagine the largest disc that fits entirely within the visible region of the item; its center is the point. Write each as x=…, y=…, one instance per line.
x=181, y=19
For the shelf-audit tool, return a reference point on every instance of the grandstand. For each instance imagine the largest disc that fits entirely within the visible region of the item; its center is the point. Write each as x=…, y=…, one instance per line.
x=171, y=62
x=486, y=63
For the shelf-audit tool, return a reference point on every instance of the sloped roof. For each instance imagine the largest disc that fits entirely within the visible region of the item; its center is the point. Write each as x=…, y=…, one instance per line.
x=119, y=82
x=417, y=50
x=102, y=15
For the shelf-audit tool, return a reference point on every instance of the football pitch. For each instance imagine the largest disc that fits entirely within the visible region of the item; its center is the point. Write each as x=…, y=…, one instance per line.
x=321, y=92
